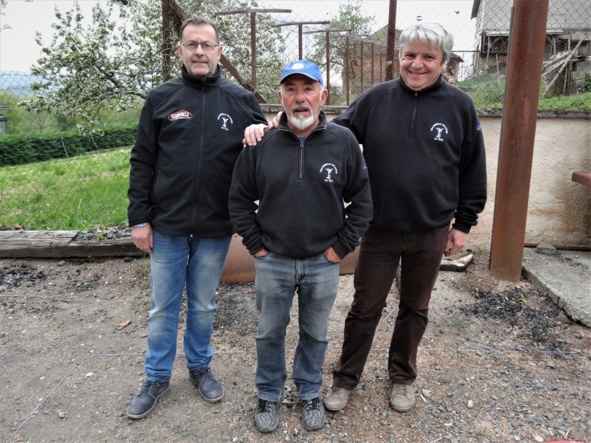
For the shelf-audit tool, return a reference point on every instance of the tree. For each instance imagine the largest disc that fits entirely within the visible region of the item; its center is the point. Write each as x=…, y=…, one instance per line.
x=110, y=62
x=91, y=70
x=2, y=6
x=350, y=18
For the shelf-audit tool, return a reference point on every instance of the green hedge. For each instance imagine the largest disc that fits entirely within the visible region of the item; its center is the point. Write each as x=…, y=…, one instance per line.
x=20, y=149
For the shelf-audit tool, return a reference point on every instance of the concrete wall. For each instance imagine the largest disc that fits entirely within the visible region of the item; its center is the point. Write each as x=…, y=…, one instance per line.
x=559, y=210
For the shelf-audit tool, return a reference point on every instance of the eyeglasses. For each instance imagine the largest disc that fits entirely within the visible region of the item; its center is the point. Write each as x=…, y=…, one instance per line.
x=206, y=46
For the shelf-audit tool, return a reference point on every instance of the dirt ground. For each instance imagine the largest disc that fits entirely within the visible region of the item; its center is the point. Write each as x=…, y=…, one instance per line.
x=499, y=363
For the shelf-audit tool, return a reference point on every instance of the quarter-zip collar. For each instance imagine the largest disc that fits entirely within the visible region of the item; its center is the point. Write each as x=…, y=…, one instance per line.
x=438, y=83
x=321, y=123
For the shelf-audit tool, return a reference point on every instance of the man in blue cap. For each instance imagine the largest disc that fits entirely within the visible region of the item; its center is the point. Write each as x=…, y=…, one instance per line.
x=301, y=201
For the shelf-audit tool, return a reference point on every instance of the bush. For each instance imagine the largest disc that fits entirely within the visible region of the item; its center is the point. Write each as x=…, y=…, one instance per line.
x=19, y=149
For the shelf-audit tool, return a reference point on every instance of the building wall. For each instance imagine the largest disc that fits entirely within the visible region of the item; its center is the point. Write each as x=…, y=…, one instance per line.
x=559, y=210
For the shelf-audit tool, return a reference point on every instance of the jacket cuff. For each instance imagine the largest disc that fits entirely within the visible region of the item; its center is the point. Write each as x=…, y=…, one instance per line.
x=340, y=249
x=463, y=227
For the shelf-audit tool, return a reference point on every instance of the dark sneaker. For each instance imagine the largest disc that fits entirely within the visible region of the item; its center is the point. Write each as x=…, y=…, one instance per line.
x=145, y=402
x=209, y=388
x=265, y=416
x=312, y=414
x=402, y=397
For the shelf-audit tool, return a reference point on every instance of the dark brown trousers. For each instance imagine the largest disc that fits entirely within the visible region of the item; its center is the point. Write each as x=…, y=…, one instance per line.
x=380, y=252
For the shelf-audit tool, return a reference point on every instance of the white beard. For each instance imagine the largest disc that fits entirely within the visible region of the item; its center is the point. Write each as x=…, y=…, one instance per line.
x=301, y=123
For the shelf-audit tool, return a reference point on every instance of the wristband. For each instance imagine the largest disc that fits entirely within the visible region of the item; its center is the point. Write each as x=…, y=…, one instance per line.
x=139, y=225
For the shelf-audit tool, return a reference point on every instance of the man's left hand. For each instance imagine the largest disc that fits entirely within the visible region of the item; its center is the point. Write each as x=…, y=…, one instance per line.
x=332, y=256
x=456, y=240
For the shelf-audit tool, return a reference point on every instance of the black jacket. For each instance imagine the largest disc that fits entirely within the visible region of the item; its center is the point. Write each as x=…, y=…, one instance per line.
x=302, y=188
x=425, y=155
x=189, y=136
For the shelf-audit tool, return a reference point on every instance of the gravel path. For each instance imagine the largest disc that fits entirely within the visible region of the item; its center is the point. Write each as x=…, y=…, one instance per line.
x=499, y=363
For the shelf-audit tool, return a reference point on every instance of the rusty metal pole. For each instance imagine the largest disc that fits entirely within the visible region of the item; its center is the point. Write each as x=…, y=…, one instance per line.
x=391, y=40
x=347, y=84
x=300, y=42
x=361, y=67
x=373, y=78
x=328, y=66
x=518, y=127
x=253, y=50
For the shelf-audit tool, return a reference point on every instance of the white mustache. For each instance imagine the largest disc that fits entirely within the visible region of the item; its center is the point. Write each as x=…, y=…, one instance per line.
x=300, y=108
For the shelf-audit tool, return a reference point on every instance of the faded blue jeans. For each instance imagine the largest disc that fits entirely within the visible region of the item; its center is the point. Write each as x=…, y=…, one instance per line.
x=316, y=281
x=176, y=262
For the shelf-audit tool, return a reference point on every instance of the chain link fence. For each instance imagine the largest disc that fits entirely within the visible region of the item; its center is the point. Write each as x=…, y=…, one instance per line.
x=66, y=131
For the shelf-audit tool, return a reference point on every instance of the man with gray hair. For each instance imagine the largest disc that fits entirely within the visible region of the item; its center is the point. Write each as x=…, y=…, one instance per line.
x=424, y=150
x=426, y=162
x=301, y=201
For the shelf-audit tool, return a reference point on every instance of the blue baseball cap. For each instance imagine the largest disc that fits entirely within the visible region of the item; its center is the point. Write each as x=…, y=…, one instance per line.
x=302, y=67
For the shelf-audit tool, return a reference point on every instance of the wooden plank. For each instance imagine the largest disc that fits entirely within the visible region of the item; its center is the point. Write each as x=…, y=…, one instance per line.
x=62, y=244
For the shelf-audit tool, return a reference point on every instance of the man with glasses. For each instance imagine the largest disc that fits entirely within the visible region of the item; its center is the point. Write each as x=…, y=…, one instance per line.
x=189, y=137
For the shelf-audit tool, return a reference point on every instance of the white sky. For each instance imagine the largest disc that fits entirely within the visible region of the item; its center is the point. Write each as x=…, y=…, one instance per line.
x=18, y=50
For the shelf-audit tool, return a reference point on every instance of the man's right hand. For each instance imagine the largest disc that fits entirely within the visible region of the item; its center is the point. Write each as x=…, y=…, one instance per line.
x=143, y=238
x=255, y=133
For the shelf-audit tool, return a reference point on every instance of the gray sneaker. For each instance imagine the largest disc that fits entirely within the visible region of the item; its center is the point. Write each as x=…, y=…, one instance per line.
x=266, y=418
x=209, y=388
x=402, y=397
x=313, y=414
x=145, y=402
x=337, y=400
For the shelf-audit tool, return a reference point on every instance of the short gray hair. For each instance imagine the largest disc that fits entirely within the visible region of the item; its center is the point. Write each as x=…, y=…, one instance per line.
x=199, y=21
x=433, y=34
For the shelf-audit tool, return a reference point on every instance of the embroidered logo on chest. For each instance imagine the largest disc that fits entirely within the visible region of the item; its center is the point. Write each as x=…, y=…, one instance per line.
x=440, y=130
x=225, y=119
x=180, y=115
x=329, y=169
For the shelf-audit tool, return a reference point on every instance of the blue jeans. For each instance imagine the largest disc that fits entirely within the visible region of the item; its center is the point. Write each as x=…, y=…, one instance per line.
x=277, y=279
x=176, y=262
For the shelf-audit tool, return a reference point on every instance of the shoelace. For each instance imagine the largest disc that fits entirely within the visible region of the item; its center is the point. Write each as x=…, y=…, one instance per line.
x=203, y=373
x=265, y=406
x=151, y=388
x=309, y=405
x=400, y=389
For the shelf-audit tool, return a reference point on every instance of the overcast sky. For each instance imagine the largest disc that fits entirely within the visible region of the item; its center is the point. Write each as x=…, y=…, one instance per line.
x=18, y=50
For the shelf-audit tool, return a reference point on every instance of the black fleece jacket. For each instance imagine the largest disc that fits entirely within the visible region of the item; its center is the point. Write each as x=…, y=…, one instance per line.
x=189, y=136
x=425, y=155
x=301, y=188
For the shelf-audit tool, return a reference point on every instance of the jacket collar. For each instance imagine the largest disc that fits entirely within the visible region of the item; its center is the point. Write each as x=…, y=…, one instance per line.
x=438, y=83
x=202, y=82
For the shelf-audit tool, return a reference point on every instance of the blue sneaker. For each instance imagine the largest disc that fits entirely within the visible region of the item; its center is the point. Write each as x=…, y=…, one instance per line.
x=145, y=402
x=209, y=388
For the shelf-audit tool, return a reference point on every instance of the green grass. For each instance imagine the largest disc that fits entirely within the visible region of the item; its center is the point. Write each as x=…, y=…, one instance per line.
x=79, y=193
x=487, y=92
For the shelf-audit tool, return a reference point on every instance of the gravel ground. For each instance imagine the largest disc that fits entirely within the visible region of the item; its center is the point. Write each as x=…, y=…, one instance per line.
x=499, y=363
